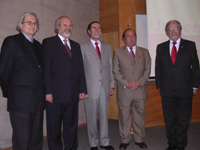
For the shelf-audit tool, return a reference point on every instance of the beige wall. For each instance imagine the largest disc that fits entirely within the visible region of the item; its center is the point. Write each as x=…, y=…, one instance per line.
x=81, y=12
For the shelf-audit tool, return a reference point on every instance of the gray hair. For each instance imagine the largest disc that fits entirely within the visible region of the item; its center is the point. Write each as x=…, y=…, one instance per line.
x=57, y=23
x=21, y=20
x=173, y=21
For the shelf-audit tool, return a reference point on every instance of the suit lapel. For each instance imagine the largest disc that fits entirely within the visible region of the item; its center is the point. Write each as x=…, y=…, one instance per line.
x=93, y=50
x=61, y=46
x=137, y=56
x=180, y=51
x=166, y=52
x=103, y=51
x=24, y=43
x=126, y=53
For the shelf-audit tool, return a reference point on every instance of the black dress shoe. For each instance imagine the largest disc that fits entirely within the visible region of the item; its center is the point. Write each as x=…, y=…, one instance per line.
x=180, y=148
x=94, y=148
x=171, y=148
x=141, y=145
x=109, y=147
x=123, y=146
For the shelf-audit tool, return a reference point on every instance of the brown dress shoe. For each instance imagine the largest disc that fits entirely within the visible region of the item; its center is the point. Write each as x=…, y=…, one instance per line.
x=123, y=146
x=141, y=145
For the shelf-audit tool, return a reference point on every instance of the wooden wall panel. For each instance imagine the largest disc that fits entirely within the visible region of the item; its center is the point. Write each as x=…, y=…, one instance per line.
x=109, y=15
x=140, y=6
x=126, y=17
x=112, y=39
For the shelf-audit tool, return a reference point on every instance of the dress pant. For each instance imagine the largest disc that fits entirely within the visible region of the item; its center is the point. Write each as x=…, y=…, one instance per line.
x=27, y=130
x=57, y=113
x=95, y=108
x=138, y=108
x=177, y=114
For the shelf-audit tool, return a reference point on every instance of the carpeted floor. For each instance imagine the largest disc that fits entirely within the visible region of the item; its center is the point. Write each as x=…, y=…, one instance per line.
x=155, y=138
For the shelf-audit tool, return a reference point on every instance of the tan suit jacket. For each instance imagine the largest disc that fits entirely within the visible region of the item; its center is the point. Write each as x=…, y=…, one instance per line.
x=125, y=72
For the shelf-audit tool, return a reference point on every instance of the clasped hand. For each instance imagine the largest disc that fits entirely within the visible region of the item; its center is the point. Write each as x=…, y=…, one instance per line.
x=133, y=85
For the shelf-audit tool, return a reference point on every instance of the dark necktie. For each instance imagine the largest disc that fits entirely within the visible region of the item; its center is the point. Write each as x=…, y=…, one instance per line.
x=97, y=50
x=132, y=55
x=67, y=48
x=173, y=53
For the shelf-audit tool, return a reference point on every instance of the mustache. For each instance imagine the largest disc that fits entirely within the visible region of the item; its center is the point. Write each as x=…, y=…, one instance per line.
x=174, y=34
x=67, y=30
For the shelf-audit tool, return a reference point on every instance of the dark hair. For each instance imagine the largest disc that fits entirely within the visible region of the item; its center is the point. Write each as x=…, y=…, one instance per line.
x=89, y=26
x=123, y=35
x=173, y=21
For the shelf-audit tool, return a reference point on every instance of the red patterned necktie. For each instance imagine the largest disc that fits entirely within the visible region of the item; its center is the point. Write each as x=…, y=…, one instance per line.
x=173, y=53
x=132, y=55
x=67, y=48
x=97, y=50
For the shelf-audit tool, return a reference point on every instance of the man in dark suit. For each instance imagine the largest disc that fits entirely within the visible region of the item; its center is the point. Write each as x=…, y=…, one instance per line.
x=65, y=85
x=21, y=79
x=177, y=81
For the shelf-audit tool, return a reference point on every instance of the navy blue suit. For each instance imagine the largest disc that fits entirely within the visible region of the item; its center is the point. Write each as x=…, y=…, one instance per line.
x=64, y=79
x=176, y=84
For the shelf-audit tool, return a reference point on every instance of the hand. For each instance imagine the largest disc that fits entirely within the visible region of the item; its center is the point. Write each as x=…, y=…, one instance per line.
x=133, y=85
x=136, y=85
x=194, y=91
x=81, y=95
x=111, y=91
x=129, y=85
x=86, y=96
x=49, y=98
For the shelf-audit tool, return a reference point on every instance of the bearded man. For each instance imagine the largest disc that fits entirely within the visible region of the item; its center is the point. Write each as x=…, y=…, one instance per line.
x=65, y=85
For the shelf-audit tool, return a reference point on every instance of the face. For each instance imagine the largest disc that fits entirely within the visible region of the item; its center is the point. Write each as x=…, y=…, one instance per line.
x=130, y=38
x=29, y=26
x=95, y=31
x=65, y=27
x=173, y=31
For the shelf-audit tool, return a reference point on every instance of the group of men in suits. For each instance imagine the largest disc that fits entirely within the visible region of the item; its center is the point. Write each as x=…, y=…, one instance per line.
x=61, y=72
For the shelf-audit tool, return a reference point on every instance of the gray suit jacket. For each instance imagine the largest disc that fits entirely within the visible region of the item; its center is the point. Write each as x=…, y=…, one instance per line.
x=125, y=72
x=97, y=72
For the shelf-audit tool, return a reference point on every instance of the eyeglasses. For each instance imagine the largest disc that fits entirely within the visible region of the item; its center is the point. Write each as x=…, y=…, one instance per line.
x=94, y=28
x=175, y=29
x=31, y=23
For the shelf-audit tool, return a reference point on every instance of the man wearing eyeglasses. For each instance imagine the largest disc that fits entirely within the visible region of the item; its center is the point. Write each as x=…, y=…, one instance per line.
x=21, y=79
x=97, y=59
x=177, y=66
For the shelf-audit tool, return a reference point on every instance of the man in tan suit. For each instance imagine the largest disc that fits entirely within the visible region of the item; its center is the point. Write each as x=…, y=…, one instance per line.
x=131, y=68
x=97, y=59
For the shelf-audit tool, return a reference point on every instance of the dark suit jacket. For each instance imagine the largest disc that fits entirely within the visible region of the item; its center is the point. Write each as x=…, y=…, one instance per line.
x=180, y=77
x=21, y=75
x=64, y=78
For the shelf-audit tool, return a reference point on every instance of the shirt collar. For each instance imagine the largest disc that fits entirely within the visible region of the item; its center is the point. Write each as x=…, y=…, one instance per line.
x=177, y=41
x=62, y=38
x=28, y=38
x=93, y=41
x=134, y=48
